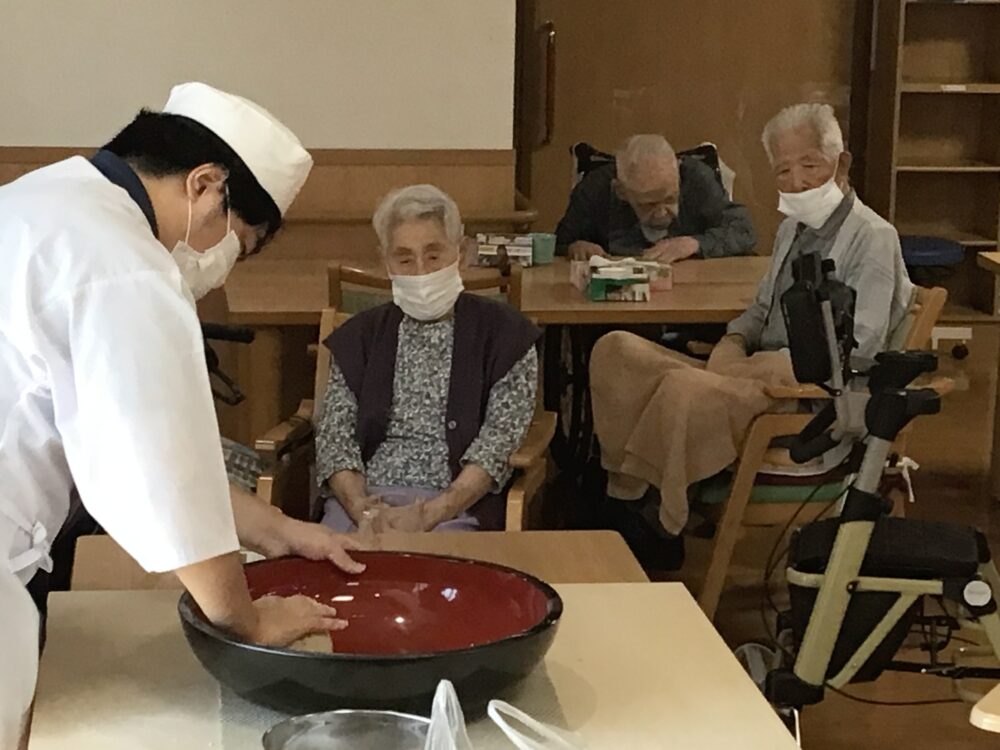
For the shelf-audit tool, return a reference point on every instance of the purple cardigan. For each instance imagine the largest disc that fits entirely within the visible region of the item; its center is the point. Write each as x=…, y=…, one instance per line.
x=490, y=338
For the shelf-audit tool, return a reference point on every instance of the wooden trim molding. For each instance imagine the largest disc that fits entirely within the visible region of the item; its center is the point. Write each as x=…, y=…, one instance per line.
x=346, y=185
x=323, y=157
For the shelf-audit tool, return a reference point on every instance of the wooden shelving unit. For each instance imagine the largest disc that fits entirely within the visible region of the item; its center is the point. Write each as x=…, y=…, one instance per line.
x=934, y=135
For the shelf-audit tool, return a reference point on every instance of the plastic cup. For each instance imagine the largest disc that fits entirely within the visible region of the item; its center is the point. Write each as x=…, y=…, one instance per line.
x=543, y=248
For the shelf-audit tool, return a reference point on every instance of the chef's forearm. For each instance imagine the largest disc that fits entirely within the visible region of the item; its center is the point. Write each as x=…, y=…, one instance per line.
x=259, y=526
x=220, y=590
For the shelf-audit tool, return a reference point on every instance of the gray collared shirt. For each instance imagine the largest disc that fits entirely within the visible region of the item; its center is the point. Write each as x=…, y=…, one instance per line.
x=868, y=258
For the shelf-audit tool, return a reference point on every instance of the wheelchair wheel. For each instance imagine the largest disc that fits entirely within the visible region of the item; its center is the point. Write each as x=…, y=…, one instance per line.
x=566, y=391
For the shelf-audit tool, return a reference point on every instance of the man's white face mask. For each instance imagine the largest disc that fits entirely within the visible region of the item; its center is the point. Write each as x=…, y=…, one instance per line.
x=812, y=207
x=430, y=296
x=207, y=270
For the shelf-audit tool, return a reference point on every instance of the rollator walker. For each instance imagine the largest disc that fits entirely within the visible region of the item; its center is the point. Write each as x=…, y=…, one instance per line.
x=858, y=581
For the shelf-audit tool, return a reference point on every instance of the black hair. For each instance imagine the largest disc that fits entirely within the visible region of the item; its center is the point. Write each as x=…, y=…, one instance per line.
x=162, y=145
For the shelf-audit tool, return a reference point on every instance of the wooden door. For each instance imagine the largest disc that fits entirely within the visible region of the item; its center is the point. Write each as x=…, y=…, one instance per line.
x=694, y=70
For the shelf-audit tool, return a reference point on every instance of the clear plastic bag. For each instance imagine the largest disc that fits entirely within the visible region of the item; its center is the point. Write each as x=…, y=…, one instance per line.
x=529, y=733
x=447, y=729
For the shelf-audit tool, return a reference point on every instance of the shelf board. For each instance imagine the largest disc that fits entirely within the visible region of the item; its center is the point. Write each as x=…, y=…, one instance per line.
x=966, y=166
x=965, y=314
x=914, y=87
x=969, y=239
x=989, y=261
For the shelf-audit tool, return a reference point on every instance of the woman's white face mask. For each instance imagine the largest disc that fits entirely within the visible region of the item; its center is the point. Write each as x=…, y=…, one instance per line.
x=208, y=269
x=812, y=207
x=430, y=296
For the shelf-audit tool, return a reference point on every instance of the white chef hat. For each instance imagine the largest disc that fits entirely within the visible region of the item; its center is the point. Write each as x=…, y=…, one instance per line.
x=269, y=149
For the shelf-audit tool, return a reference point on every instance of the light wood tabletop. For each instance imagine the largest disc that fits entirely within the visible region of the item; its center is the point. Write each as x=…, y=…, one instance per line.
x=632, y=665
x=262, y=292
x=553, y=556
x=705, y=291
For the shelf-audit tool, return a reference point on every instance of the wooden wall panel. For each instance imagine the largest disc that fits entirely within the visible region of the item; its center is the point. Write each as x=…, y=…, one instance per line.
x=345, y=185
x=693, y=70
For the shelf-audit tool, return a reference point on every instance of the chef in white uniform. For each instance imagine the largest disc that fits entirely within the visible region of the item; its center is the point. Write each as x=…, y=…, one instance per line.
x=103, y=383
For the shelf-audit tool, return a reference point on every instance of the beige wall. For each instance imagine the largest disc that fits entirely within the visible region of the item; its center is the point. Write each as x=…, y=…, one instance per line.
x=694, y=70
x=353, y=74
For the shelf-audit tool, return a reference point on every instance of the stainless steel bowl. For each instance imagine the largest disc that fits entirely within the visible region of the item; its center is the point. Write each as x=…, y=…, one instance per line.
x=348, y=729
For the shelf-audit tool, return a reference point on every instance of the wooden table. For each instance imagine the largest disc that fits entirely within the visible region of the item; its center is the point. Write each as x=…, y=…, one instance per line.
x=705, y=291
x=633, y=665
x=553, y=556
x=263, y=292
x=282, y=300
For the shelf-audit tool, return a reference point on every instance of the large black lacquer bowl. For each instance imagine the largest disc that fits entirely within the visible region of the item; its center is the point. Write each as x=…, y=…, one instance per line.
x=414, y=620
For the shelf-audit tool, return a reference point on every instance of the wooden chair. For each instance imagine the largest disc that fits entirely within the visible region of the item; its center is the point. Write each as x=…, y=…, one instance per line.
x=288, y=449
x=741, y=508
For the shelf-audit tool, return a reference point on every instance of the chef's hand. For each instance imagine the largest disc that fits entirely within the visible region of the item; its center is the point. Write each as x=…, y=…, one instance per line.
x=581, y=250
x=672, y=250
x=315, y=541
x=282, y=620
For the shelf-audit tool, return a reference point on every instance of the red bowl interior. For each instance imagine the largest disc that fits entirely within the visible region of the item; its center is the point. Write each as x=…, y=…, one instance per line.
x=409, y=603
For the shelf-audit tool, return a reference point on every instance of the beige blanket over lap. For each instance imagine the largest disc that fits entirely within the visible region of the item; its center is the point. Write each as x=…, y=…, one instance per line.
x=663, y=419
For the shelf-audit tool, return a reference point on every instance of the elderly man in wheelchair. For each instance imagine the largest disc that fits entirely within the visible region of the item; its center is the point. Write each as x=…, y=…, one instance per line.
x=429, y=395
x=674, y=421
x=650, y=201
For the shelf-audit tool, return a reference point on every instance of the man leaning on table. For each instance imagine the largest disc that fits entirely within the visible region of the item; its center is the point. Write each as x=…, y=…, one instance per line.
x=675, y=421
x=650, y=203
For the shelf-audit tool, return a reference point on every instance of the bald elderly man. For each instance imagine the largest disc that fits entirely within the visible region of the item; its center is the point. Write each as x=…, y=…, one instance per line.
x=649, y=203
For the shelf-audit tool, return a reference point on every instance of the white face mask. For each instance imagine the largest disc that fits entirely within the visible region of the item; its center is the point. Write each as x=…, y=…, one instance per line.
x=812, y=207
x=428, y=297
x=206, y=270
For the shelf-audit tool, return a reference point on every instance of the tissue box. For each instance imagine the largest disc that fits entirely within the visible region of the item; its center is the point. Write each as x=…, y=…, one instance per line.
x=518, y=248
x=626, y=280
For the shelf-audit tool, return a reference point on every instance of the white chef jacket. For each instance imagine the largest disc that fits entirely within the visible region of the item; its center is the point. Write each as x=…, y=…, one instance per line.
x=103, y=381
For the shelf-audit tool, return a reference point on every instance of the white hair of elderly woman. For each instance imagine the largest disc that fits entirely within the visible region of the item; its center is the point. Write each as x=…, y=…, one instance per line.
x=819, y=117
x=640, y=149
x=416, y=202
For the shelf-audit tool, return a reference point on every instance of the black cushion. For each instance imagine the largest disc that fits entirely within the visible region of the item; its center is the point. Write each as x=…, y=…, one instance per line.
x=899, y=548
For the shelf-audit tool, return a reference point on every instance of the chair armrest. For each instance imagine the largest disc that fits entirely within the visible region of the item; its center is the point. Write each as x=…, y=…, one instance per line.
x=536, y=442
x=941, y=384
x=279, y=439
x=796, y=391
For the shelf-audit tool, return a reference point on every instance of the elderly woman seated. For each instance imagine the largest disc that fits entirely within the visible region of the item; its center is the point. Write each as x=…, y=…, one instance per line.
x=430, y=394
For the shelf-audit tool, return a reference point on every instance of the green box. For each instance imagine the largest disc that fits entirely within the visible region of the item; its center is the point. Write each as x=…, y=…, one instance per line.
x=605, y=289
